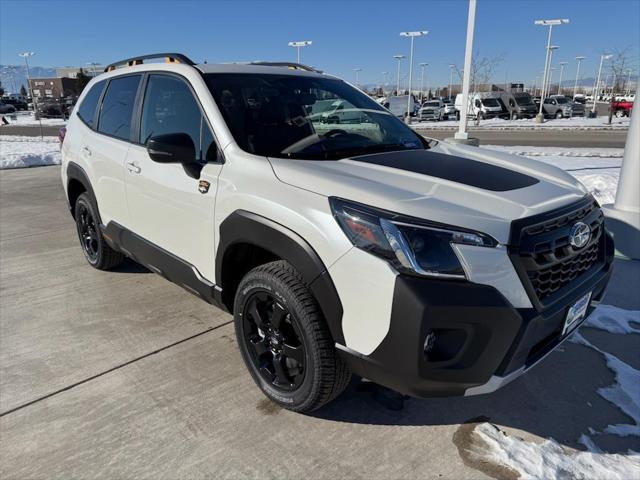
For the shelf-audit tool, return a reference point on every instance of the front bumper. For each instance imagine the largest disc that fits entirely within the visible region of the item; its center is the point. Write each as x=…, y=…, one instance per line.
x=477, y=340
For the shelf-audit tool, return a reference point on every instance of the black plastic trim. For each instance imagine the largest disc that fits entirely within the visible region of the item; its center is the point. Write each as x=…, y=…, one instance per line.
x=76, y=172
x=247, y=227
x=162, y=262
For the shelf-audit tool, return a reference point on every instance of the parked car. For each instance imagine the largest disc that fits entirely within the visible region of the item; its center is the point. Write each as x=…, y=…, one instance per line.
x=557, y=106
x=398, y=105
x=579, y=98
x=622, y=108
x=431, y=110
x=480, y=105
x=517, y=105
x=336, y=111
x=449, y=109
x=577, y=108
x=6, y=108
x=16, y=102
x=434, y=269
x=54, y=108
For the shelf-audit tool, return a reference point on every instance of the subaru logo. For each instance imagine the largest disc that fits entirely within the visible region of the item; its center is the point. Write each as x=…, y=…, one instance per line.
x=580, y=235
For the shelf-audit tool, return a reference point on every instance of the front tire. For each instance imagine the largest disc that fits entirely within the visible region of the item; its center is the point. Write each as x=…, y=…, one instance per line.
x=96, y=250
x=284, y=340
x=559, y=114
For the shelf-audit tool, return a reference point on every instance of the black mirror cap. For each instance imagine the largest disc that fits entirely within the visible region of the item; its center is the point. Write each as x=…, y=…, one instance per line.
x=172, y=148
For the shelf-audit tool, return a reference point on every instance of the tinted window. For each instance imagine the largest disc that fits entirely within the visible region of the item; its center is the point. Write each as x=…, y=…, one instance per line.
x=291, y=116
x=117, y=106
x=169, y=107
x=209, y=150
x=87, y=108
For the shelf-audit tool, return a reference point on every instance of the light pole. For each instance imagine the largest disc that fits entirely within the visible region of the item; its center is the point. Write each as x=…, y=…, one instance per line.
x=384, y=80
x=547, y=89
x=422, y=67
x=461, y=135
x=575, y=85
x=603, y=57
x=451, y=67
x=562, y=64
x=26, y=56
x=399, y=59
x=550, y=23
x=357, y=70
x=299, y=45
x=412, y=36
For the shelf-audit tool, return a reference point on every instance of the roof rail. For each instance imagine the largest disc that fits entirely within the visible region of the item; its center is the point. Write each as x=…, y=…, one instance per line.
x=168, y=57
x=291, y=65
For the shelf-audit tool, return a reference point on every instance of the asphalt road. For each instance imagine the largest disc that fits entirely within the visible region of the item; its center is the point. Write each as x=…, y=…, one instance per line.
x=121, y=374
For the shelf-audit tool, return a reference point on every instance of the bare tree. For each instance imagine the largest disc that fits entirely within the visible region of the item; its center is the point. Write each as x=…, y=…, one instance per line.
x=621, y=62
x=483, y=69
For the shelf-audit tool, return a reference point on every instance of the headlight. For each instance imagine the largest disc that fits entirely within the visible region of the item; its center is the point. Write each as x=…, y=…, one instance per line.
x=411, y=245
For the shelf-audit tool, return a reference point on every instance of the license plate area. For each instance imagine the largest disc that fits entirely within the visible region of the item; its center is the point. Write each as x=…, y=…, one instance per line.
x=576, y=313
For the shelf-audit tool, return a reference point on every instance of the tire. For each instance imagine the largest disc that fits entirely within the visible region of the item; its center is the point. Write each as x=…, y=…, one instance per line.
x=559, y=114
x=291, y=355
x=96, y=250
x=620, y=113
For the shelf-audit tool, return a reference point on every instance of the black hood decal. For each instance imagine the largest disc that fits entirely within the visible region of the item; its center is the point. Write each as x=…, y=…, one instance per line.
x=453, y=168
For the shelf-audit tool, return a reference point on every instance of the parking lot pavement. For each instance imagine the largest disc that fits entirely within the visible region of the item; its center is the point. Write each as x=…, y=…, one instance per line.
x=121, y=374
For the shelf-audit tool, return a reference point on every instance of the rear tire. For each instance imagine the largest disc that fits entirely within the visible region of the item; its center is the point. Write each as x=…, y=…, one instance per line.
x=284, y=341
x=620, y=113
x=95, y=248
x=559, y=114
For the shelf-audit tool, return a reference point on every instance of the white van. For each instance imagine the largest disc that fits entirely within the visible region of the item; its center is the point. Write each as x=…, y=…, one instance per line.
x=480, y=105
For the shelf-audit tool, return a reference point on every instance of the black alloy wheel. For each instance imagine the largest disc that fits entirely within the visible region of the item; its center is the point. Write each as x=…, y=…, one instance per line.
x=274, y=340
x=88, y=232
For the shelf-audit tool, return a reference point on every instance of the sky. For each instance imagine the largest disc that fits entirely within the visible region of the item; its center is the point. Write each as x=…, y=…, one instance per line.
x=346, y=34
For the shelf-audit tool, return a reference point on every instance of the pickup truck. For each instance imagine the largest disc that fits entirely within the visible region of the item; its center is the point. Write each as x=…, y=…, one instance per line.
x=622, y=109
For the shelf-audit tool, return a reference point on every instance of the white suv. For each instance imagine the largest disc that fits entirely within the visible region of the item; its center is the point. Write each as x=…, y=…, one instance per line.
x=363, y=248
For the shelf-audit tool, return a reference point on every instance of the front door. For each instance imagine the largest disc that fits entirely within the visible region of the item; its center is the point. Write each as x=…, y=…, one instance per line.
x=168, y=207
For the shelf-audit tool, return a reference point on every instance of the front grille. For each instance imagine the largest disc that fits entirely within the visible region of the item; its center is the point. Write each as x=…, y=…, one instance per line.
x=544, y=256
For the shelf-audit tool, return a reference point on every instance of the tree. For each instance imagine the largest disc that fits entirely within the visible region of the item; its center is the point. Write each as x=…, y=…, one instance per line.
x=482, y=69
x=621, y=62
x=23, y=91
x=81, y=81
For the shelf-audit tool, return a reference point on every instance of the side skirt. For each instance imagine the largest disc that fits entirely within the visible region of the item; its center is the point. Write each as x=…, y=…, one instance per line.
x=162, y=262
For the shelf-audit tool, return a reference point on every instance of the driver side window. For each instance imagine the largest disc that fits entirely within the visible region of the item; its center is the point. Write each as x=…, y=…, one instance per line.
x=169, y=107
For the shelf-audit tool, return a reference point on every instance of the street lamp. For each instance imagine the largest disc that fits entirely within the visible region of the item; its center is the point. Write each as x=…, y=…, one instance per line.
x=411, y=35
x=603, y=57
x=299, y=45
x=26, y=56
x=422, y=67
x=547, y=89
x=357, y=70
x=575, y=86
x=547, y=23
x=562, y=64
x=451, y=68
x=399, y=58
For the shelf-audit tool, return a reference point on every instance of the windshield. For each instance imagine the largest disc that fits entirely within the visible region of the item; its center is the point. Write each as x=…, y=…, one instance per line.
x=432, y=104
x=312, y=118
x=523, y=100
x=490, y=102
x=560, y=99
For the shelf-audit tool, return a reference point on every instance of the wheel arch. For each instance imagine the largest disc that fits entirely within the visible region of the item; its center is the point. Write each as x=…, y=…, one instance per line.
x=248, y=240
x=77, y=183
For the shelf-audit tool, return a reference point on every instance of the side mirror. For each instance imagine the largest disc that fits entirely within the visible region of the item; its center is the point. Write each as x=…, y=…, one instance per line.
x=175, y=148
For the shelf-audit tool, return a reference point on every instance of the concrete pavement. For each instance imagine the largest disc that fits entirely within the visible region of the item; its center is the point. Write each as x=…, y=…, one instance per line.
x=121, y=374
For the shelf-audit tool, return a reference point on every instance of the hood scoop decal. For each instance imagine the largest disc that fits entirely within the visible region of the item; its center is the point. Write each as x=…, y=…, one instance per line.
x=450, y=167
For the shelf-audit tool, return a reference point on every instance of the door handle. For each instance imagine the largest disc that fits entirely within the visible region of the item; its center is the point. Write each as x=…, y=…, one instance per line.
x=87, y=151
x=133, y=168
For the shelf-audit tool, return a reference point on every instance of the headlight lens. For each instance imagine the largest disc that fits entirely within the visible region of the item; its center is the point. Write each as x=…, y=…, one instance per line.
x=411, y=245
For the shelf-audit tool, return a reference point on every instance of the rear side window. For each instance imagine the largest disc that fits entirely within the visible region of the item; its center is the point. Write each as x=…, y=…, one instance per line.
x=87, y=109
x=117, y=107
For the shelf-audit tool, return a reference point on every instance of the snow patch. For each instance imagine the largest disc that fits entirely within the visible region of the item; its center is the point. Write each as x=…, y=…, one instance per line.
x=27, y=119
x=20, y=152
x=549, y=460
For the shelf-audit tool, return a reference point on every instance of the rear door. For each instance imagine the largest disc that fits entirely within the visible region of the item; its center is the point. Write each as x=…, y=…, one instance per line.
x=106, y=149
x=169, y=208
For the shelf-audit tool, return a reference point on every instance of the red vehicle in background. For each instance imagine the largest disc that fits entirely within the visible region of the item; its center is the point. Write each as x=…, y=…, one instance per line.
x=622, y=108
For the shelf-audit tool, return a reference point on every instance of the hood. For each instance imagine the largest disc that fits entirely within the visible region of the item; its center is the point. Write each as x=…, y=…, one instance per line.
x=456, y=185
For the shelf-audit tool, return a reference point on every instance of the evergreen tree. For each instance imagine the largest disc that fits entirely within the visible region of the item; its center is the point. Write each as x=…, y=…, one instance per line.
x=81, y=81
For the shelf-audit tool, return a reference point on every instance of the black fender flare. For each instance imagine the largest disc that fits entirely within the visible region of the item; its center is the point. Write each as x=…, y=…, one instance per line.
x=247, y=227
x=76, y=172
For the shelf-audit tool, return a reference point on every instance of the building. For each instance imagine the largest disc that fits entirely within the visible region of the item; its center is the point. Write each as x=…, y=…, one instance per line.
x=72, y=72
x=53, y=87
